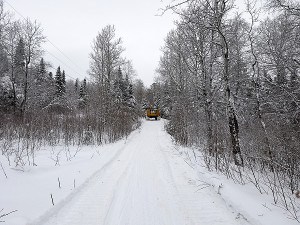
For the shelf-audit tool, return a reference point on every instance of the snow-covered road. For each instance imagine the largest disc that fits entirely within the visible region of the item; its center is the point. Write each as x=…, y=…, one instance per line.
x=146, y=183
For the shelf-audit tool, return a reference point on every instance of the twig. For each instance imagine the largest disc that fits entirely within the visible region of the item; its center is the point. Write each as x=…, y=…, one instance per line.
x=52, y=200
x=3, y=170
x=203, y=188
x=265, y=205
x=6, y=214
x=219, y=188
x=58, y=182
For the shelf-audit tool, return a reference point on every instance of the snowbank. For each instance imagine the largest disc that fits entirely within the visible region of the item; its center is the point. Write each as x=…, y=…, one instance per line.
x=58, y=174
x=245, y=199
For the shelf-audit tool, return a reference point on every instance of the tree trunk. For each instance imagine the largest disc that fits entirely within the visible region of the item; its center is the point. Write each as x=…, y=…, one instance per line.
x=232, y=119
x=209, y=130
x=13, y=80
x=268, y=151
x=208, y=100
x=23, y=104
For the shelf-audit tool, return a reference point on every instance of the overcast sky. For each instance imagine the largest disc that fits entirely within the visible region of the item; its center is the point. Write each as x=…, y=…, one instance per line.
x=71, y=25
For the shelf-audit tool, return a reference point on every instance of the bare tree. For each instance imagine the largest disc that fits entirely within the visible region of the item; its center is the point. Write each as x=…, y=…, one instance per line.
x=256, y=76
x=11, y=43
x=106, y=55
x=290, y=6
x=33, y=38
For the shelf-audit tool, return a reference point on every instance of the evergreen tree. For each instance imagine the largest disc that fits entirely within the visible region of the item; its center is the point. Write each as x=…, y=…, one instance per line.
x=50, y=75
x=83, y=95
x=41, y=72
x=119, y=87
x=82, y=92
x=128, y=94
x=123, y=90
x=76, y=85
x=42, y=67
x=59, y=83
x=63, y=82
x=19, y=58
x=60, y=103
x=19, y=62
x=42, y=90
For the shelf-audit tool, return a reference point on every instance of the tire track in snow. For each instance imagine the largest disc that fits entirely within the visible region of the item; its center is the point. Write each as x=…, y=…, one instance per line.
x=145, y=183
x=83, y=201
x=146, y=196
x=201, y=206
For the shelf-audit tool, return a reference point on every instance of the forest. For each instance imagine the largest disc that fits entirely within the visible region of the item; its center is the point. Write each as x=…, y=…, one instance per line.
x=229, y=85
x=41, y=105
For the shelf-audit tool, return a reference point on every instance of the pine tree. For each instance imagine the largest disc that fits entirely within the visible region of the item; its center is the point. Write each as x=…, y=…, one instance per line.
x=50, y=75
x=118, y=91
x=128, y=93
x=59, y=83
x=19, y=62
x=63, y=82
x=41, y=72
x=19, y=58
x=83, y=95
x=76, y=85
x=123, y=90
x=42, y=67
x=82, y=91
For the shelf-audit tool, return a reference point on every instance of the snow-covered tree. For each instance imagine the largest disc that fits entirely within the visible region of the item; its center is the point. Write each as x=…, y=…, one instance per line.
x=83, y=95
x=60, y=82
x=106, y=56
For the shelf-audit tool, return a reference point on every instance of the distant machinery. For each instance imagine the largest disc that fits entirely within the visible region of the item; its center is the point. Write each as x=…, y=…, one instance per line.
x=152, y=112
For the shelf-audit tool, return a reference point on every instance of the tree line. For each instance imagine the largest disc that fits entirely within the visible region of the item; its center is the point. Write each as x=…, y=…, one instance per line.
x=39, y=106
x=229, y=84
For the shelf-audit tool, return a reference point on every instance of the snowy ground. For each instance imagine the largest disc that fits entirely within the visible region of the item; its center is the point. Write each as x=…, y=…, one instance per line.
x=142, y=180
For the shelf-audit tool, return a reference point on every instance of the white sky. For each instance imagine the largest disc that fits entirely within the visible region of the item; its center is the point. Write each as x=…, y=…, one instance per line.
x=71, y=25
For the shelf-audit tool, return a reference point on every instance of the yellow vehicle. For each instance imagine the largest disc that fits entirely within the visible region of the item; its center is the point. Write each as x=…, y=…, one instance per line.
x=152, y=113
